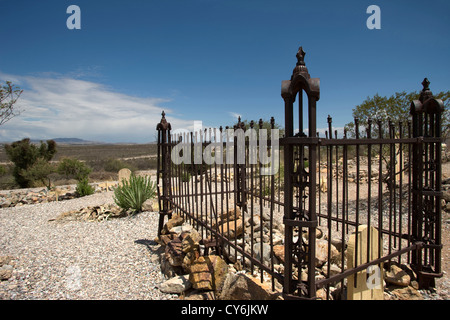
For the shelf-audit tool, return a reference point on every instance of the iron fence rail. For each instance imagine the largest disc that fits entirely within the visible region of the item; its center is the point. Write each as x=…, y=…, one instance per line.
x=386, y=176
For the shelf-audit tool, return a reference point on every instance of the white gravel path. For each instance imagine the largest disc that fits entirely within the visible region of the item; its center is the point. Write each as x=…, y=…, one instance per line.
x=79, y=260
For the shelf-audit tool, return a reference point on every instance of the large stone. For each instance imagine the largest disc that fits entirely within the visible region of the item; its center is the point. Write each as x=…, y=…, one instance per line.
x=208, y=273
x=232, y=229
x=190, y=248
x=200, y=295
x=148, y=205
x=322, y=253
x=175, y=221
x=242, y=287
x=230, y=215
x=278, y=251
x=174, y=252
x=407, y=293
x=263, y=256
x=397, y=276
x=446, y=195
x=176, y=284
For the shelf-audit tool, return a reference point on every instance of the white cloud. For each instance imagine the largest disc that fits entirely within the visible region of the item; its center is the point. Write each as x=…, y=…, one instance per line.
x=235, y=115
x=56, y=106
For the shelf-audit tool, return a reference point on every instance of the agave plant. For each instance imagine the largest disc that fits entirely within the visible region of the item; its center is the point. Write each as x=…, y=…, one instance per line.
x=133, y=193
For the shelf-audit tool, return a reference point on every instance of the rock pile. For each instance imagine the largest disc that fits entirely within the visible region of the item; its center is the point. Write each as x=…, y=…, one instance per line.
x=15, y=198
x=22, y=197
x=100, y=213
x=194, y=275
x=197, y=276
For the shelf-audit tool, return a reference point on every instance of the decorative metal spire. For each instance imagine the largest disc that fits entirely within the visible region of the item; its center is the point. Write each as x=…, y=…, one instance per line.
x=426, y=92
x=426, y=84
x=300, y=67
x=300, y=57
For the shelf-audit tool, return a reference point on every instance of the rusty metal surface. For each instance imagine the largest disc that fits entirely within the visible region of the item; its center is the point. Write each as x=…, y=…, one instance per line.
x=387, y=176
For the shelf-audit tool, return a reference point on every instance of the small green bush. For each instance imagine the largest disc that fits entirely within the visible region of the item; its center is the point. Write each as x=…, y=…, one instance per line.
x=114, y=165
x=73, y=168
x=84, y=188
x=132, y=194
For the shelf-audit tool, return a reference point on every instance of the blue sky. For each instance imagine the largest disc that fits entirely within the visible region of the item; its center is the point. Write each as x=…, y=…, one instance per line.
x=207, y=60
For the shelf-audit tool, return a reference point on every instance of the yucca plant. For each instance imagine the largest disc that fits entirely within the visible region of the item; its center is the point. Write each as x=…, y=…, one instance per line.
x=133, y=193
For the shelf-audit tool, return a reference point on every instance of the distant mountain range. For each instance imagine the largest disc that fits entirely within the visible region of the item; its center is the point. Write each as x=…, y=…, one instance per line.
x=77, y=141
x=69, y=141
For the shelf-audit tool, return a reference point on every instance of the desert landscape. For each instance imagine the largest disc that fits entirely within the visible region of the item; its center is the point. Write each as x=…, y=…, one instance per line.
x=55, y=245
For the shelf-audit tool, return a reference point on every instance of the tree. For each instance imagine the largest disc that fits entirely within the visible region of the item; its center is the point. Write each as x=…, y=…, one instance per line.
x=9, y=94
x=395, y=108
x=30, y=161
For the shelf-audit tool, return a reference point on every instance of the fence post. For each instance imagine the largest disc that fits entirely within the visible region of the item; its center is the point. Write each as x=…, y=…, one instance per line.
x=426, y=187
x=163, y=170
x=298, y=254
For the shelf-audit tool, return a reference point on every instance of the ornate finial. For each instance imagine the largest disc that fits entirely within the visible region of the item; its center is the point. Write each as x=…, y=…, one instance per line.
x=163, y=124
x=426, y=84
x=300, y=67
x=261, y=123
x=300, y=57
x=426, y=93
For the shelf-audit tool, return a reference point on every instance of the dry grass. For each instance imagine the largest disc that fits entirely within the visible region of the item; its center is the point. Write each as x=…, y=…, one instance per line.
x=104, y=159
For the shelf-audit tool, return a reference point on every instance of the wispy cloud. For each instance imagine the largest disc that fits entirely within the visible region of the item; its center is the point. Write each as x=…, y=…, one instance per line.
x=58, y=106
x=235, y=115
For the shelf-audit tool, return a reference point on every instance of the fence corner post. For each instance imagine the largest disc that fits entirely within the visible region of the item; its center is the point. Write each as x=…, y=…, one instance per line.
x=426, y=187
x=163, y=167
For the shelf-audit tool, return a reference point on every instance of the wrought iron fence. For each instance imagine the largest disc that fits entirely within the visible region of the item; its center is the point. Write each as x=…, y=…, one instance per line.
x=321, y=189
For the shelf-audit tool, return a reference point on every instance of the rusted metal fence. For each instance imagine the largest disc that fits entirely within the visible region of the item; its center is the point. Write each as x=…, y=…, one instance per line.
x=386, y=175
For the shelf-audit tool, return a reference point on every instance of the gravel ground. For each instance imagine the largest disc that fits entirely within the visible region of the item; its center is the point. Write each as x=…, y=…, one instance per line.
x=79, y=260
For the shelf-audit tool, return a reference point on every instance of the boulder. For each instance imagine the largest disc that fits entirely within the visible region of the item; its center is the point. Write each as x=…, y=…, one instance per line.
x=177, y=284
x=174, y=252
x=278, y=251
x=265, y=255
x=232, y=229
x=175, y=221
x=200, y=295
x=208, y=273
x=406, y=293
x=243, y=287
x=230, y=215
x=397, y=276
x=148, y=205
x=322, y=253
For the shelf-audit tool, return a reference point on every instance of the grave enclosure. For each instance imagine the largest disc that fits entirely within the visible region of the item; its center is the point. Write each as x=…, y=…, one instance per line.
x=299, y=225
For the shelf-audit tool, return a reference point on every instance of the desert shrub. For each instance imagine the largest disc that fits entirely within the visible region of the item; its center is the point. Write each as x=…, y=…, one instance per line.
x=84, y=188
x=114, y=165
x=73, y=168
x=38, y=172
x=133, y=193
x=27, y=156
